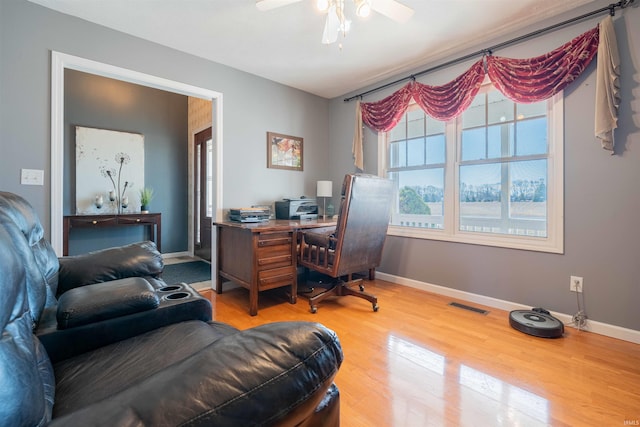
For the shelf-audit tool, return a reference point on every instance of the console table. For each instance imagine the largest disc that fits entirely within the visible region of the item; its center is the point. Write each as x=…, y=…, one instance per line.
x=261, y=255
x=151, y=220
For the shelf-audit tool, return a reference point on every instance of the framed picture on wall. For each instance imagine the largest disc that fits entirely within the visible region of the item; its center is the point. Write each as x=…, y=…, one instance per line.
x=284, y=151
x=109, y=165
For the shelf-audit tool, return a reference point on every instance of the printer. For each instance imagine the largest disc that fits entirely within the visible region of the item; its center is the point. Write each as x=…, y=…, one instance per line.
x=302, y=208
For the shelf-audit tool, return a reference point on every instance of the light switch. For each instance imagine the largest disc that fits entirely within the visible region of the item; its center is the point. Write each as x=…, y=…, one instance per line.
x=31, y=177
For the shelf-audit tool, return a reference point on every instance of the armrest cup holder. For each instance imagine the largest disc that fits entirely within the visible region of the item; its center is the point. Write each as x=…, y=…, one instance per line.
x=171, y=288
x=177, y=295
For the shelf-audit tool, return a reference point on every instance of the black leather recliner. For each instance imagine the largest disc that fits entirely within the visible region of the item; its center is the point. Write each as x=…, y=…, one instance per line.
x=82, y=302
x=192, y=372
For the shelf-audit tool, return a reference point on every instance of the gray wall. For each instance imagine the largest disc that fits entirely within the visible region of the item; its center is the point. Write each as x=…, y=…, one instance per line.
x=252, y=106
x=602, y=201
x=160, y=116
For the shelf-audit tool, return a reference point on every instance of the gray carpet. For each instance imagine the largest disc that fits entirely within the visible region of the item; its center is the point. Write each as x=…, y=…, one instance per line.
x=187, y=272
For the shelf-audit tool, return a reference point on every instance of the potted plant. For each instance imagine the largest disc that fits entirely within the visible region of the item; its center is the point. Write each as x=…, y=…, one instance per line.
x=146, y=194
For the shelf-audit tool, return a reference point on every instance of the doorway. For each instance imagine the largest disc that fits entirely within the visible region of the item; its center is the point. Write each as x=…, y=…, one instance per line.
x=203, y=194
x=59, y=63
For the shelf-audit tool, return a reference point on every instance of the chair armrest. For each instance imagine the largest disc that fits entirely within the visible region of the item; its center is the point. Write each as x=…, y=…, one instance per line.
x=62, y=344
x=318, y=236
x=104, y=301
x=261, y=376
x=138, y=259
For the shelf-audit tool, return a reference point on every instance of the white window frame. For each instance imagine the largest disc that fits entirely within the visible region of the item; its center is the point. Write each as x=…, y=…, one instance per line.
x=553, y=243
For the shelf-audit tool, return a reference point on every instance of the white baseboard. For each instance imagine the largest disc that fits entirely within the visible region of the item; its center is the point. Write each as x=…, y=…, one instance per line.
x=612, y=331
x=175, y=255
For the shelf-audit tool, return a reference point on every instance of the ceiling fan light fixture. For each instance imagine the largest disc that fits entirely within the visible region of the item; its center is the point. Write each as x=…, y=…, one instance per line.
x=331, y=26
x=345, y=26
x=336, y=21
x=322, y=5
x=363, y=8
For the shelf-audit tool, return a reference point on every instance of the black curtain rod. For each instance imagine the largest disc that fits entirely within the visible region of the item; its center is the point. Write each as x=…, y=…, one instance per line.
x=488, y=51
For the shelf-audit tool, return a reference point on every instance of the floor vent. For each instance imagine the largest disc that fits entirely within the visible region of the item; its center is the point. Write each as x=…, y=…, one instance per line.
x=468, y=307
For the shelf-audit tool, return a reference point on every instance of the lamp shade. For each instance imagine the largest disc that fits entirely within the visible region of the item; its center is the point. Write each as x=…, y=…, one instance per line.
x=324, y=188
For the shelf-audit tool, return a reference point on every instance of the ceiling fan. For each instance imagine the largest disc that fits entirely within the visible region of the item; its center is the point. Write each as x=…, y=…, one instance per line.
x=337, y=22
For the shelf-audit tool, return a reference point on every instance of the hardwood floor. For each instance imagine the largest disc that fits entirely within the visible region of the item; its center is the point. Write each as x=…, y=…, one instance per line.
x=420, y=362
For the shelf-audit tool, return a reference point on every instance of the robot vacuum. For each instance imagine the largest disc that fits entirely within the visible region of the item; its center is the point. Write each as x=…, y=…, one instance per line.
x=537, y=322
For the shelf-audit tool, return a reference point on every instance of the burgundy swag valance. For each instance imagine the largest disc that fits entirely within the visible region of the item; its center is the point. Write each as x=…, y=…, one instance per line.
x=521, y=80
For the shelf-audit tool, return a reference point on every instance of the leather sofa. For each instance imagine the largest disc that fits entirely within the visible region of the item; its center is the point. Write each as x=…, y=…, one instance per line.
x=95, y=340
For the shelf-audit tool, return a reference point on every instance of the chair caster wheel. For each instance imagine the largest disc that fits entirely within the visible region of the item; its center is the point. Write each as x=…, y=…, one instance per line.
x=314, y=310
x=361, y=288
x=375, y=307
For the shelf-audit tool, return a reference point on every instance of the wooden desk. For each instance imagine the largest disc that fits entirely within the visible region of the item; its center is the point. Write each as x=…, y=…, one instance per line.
x=260, y=255
x=151, y=220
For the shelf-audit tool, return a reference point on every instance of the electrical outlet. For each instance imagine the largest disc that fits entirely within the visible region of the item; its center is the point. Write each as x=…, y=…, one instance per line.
x=31, y=177
x=576, y=284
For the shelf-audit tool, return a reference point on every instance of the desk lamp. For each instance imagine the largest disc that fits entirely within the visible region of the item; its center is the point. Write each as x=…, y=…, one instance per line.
x=324, y=190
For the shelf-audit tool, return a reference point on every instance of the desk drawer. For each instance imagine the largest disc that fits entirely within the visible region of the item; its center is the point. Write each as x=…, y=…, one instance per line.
x=275, y=261
x=274, y=250
x=132, y=220
x=92, y=221
x=274, y=239
x=275, y=278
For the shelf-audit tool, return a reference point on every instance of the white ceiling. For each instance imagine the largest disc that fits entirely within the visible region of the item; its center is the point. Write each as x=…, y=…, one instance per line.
x=284, y=44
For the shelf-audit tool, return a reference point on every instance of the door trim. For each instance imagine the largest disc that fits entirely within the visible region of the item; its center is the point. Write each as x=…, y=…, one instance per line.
x=60, y=62
x=199, y=206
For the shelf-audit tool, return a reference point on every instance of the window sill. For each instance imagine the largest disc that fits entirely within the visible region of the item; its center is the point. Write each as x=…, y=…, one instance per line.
x=502, y=241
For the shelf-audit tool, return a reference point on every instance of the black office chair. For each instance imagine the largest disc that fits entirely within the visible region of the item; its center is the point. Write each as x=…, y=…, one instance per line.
x=355, y=244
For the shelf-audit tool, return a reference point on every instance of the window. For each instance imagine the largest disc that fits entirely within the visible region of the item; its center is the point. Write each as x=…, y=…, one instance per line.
x=492, y=176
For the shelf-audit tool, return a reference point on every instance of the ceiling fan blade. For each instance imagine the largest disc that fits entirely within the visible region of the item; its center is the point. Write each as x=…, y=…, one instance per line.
x=331, y=26
x=272, y=4
x=392, y=9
